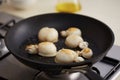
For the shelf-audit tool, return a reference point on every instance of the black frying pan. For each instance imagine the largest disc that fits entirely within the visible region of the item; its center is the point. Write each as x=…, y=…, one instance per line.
x=97, y=34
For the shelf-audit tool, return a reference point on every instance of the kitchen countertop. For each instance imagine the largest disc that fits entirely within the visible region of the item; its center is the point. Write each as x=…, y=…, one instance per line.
x=106, y=11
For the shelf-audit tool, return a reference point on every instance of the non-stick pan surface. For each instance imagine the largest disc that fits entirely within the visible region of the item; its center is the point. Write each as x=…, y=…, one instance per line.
x=97, y=34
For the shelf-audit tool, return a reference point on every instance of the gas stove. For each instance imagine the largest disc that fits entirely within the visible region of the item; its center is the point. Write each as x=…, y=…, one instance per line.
x=12, y=69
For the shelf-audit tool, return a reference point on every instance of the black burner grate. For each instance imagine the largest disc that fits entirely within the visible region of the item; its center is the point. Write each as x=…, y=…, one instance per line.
x=3, y=29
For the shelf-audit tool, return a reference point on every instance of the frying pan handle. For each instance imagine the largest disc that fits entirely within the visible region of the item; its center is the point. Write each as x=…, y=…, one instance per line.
x=92, y=75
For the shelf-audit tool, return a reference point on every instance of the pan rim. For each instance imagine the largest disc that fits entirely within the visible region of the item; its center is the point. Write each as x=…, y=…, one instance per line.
x=68, y=64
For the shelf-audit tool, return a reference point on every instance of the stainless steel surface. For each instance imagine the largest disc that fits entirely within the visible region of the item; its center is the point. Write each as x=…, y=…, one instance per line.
x=3, y=48
x=116, y=76
x=2, y=32
x=67, y=76
x=12, y=69
x=4, y=17
x=114, y=53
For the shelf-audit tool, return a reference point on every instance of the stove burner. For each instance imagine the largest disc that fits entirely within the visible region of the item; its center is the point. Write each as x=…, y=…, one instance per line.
x=65, y=76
